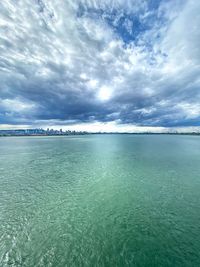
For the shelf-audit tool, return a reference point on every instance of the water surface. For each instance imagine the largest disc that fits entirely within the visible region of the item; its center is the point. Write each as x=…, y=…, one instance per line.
x=100, y=200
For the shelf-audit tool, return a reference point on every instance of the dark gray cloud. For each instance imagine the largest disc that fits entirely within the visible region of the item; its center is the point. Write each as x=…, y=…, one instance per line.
x=121, y=61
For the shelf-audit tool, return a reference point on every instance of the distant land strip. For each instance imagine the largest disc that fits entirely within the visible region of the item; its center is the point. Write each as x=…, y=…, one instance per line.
x=52, y=132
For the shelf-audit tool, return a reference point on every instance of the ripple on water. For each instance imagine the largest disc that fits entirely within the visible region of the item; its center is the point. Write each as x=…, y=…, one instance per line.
x=100, y=200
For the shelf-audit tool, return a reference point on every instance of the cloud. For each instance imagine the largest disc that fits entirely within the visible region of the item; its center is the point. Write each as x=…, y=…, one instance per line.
x=120, y=62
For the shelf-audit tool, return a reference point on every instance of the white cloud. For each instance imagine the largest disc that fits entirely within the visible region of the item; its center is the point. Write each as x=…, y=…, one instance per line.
x=77, y=67
x=16, y=105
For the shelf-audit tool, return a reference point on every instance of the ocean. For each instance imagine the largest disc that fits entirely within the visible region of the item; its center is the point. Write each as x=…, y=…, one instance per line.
x=100, y=200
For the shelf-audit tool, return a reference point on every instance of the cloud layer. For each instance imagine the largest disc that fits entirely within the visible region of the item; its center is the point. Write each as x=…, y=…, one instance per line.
x=123, y=62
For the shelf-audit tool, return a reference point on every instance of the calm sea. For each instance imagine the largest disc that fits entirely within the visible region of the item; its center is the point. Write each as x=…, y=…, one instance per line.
x=100, y=200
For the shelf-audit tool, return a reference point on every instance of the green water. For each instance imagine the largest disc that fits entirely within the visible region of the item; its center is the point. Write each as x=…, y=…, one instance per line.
x=100, y=200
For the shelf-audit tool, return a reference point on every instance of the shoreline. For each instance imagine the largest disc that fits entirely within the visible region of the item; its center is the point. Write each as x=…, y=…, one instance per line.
x=79, y=134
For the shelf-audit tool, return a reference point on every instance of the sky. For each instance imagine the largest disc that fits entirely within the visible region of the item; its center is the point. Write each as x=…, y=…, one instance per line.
x=100, y=65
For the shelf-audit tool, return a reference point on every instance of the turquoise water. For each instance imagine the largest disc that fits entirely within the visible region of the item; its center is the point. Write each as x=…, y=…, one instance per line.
x=100, y=200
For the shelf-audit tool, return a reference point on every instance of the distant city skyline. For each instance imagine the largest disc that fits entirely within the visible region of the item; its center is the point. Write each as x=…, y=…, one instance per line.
x=101, y=65
x=52, y=131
